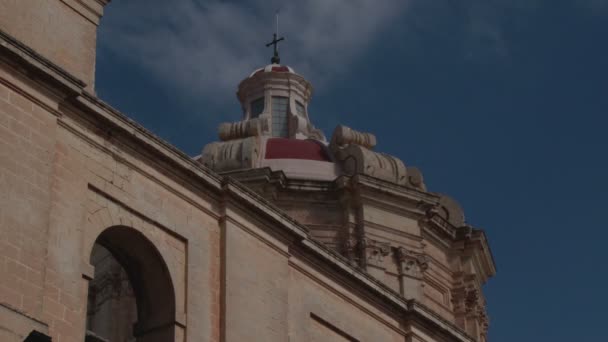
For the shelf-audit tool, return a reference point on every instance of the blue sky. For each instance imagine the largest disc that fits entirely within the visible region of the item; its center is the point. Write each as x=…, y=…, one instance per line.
x=502, y=105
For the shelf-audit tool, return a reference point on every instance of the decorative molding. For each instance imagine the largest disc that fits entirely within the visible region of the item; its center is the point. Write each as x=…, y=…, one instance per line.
x=34, y=63
x=324, y=324
x=455, y=332
x=394, y=189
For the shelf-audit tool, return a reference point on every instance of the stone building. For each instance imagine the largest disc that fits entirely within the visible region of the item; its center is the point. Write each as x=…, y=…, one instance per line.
x=273, y=233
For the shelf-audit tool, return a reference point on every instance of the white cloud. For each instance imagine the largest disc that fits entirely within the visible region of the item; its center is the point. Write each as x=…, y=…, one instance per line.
x=204, y=48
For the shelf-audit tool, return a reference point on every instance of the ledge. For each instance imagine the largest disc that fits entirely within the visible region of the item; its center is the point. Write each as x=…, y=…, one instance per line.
x=38, y=65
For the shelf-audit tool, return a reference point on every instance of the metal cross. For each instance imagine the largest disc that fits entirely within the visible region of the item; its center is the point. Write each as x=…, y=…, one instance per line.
x=275, y=59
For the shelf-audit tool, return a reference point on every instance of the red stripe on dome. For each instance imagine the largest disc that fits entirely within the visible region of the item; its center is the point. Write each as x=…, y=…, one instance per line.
x=281, y=148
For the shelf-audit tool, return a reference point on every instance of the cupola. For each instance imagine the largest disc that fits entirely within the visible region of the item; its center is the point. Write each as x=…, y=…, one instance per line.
x=279, y=95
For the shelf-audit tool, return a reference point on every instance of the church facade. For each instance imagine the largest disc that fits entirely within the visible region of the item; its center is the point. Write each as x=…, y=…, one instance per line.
x=273, y=233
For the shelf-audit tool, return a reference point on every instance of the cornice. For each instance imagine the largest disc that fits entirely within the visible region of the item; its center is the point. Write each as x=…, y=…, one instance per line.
x=365, y=182
x=236, y=190
x=391, y=230
x=489, y=257
x=476, y=245
x=265, y=175
x=74, y=129
x=368, y=187
x=37, y=66
x=118, y=124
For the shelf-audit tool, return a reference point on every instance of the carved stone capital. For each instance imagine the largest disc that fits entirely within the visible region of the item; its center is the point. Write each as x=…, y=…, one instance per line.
x=375, y=251
x=411, y=263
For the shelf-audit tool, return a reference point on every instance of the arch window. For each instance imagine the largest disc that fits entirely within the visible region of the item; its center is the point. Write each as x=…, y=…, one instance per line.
x=131, y=297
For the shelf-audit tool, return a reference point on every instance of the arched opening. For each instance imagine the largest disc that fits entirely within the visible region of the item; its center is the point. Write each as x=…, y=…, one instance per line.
x=131, y=296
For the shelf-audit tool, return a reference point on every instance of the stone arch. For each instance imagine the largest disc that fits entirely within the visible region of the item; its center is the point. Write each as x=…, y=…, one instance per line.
x=149, y=278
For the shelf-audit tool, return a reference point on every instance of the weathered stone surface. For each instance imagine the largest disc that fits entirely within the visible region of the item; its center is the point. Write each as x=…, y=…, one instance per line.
x=64, y=31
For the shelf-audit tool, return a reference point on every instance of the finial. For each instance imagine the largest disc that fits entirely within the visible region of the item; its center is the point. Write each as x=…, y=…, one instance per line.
x=275, y=58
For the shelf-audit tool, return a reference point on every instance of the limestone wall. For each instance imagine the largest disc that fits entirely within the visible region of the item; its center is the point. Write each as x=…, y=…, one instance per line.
x=64, y=31
x=27, y=148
